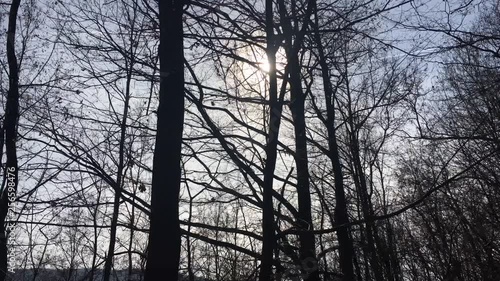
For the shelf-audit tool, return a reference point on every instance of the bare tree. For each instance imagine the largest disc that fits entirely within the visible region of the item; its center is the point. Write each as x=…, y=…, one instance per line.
x=9, y=129
x=165, y=234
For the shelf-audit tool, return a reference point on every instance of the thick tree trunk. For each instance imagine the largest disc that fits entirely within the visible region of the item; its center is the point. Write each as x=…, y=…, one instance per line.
x=309, y=263
x=10, y=179
x=306, y=238
x=165, y=236
x=275, y=108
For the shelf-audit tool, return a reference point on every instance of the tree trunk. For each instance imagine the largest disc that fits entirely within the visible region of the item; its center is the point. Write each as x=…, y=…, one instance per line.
x=10, y=181
x=119, y=178
x=275, y=108
x=165, y=236
x=366, y=204
x=306, y=238
x=96, y=240
x=346, y=251
x=309, y=263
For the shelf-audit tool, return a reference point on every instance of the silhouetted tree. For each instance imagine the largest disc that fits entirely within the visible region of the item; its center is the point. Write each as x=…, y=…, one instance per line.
x=165, y=233
x=9, y=137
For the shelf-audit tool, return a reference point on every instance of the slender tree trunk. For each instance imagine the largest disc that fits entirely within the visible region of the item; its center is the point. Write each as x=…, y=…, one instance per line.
x=131, y=241
x=119, y=178
x=366, y=204
x=346, y=250
x=234, y=272
x=36, y=270
x=10, y=129
x=165, y=236
x=340, y=214
x=390, y=246
x=96, y=234
x=275, y=107
x=189, y=252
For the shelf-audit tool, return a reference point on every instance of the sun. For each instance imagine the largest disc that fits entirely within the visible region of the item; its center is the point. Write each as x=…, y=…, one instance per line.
x=263, y=65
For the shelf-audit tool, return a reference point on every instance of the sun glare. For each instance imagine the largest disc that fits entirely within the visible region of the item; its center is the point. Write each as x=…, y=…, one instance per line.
x=264, y=65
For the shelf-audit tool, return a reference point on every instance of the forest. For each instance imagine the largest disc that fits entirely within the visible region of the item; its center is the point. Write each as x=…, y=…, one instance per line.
x=241, y=140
